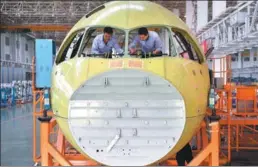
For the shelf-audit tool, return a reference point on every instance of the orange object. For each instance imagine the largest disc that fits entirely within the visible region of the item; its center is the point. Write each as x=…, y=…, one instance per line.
x=204, y=45
x=212, y=149
x=135, y=63
x=116, y=63
x=65, y=28
x=51, y=155
x=236, y=121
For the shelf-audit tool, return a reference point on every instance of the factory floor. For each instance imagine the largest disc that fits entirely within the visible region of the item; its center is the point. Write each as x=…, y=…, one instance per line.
x=16, y=140
x=16, y=136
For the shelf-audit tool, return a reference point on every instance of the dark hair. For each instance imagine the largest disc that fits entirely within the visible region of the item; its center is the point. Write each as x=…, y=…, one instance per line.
x=143, y=31
x=108, y=30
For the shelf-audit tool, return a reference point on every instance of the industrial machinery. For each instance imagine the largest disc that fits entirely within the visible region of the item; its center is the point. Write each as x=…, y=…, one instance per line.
x=4, y=95
x=16, y=92
x=129, y=109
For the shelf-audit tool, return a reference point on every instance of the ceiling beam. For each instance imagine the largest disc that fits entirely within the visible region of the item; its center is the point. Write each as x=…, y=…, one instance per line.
x=36, y=27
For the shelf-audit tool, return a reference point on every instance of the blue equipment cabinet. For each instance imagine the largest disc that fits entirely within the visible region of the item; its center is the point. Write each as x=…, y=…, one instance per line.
x=45, y=53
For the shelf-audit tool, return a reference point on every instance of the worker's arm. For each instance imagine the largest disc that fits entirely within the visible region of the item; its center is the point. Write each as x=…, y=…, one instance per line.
x=94, y=48
x=117, y=47
x=133, y=44
x=157, y=44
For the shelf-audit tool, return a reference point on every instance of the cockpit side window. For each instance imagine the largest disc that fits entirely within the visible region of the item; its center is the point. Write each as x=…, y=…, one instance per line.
x=74, y=46
x=184, y=47
x=71, y=49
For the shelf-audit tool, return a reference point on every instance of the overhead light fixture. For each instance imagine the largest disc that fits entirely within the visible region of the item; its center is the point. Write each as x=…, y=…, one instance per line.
x=251, y=36
x=30, y=35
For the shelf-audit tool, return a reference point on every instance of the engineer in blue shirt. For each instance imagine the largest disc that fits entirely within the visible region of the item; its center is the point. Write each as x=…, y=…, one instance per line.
x=149, y=41
x=103, y=43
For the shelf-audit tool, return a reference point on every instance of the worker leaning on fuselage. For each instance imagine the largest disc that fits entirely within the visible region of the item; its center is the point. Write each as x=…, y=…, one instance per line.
x=149, y=41
x=103, y=43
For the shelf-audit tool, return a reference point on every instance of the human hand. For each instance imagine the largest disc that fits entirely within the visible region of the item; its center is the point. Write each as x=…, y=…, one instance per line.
x=132, y=51
x=156, y=52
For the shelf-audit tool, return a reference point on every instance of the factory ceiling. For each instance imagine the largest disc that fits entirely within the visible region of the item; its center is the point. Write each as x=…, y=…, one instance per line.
x=55, y=17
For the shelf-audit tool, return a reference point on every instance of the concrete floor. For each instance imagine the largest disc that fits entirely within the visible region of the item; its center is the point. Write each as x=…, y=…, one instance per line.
x=16, y=136
x=16, y=140
x=244, y=158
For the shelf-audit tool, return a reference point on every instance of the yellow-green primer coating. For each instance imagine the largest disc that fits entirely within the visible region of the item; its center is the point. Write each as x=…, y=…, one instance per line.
x=190, y=78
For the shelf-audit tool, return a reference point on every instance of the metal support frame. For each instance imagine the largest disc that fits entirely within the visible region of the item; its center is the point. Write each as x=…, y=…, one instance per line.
x=46, y=12
x=46, y=19
x=52, y=19
x=54, y=154
x=211, y=150
x=238, y=127
x=234, y=30
x=253, y=18
x=36, y=28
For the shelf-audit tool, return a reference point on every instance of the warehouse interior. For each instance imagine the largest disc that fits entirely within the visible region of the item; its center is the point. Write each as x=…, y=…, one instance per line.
x=226, y=31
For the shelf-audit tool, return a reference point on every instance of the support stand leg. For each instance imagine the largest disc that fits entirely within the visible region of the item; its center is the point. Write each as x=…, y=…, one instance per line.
x=44, y=133
x=215, y=144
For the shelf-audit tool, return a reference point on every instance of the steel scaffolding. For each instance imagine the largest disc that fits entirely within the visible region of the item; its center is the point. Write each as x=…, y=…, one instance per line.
x=233, y=30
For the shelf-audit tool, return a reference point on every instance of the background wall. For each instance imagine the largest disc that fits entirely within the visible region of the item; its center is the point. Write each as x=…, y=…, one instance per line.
x=17, y=50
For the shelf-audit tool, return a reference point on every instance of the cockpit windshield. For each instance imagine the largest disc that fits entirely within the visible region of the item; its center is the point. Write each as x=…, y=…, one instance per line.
x=149, y=42
x=143, y=42
x=104, y=42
